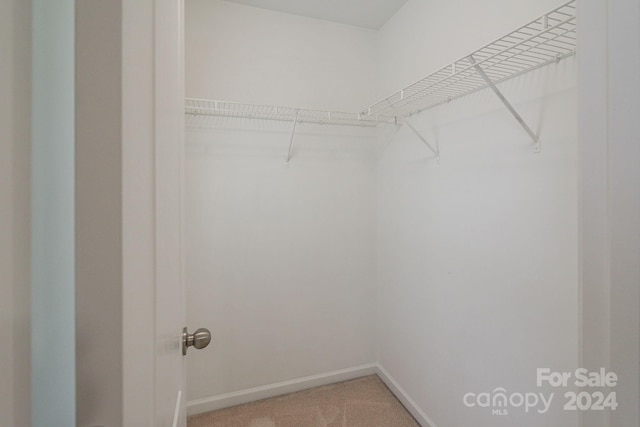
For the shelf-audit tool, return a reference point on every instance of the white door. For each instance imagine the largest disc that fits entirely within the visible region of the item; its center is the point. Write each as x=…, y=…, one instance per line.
x=169, y=142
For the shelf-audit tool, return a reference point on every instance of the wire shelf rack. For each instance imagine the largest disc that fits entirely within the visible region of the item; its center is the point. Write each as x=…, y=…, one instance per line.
x=542, y=41
x=208, y=107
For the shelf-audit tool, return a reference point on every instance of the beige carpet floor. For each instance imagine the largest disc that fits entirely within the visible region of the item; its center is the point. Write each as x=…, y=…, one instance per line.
x=363, y=402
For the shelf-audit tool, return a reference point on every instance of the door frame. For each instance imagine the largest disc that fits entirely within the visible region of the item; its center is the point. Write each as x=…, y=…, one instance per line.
x=121, y=149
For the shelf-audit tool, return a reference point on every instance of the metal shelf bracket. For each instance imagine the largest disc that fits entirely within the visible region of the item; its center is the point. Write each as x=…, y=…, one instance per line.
x=293, y=134
x=512, y=110
x=435, y=151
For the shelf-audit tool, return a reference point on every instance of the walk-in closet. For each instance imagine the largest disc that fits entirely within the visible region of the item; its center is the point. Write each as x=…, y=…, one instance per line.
x=394, y=197
x=320, y=213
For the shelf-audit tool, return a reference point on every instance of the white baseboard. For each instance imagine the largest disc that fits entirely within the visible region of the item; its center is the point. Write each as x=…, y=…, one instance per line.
x=404, y=398
x=278, y=389
x=272, y=390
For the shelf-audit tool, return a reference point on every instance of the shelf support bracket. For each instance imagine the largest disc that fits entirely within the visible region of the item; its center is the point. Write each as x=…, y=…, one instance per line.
x=423, y=139
x=293, y=134
x=514, y=113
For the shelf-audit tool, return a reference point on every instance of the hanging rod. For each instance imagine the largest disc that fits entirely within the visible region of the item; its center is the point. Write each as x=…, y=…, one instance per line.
x=208, y=107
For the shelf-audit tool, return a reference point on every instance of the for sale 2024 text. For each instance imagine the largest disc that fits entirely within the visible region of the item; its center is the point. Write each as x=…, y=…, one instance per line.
x=582, y=378
x=591, y=396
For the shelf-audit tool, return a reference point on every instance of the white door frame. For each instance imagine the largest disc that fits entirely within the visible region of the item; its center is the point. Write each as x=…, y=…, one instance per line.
x=126, y=62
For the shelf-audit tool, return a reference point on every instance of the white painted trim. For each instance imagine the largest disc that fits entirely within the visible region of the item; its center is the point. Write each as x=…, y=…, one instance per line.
x=227, y=400
x=413, y=408
x=277, y=389
x=176, y=411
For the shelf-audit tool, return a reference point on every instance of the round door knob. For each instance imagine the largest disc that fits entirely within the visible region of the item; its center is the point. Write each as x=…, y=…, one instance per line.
x=199, y=339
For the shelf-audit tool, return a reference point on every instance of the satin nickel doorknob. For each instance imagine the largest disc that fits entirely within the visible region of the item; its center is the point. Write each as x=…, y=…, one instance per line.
x=199, y=339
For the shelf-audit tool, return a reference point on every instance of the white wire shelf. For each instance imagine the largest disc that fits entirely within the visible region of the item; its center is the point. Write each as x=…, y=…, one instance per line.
x=542, y=41
x=208, y=107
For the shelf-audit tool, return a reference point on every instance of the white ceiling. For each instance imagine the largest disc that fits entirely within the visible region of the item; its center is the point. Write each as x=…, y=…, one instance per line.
x=362, y=13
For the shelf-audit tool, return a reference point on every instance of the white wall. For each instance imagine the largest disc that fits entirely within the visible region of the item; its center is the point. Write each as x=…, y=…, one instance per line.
x=624, y=204
x=246, y=54
x=6, y=214
x=610, y=199
x=281, y=261
x=52, y=213
x=478, y=262
x=593, y=193
x=15, y=82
